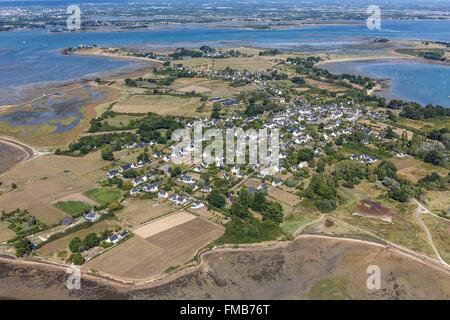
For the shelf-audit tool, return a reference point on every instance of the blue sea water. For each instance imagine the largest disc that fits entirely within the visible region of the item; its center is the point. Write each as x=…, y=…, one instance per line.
x=409, y=80
x=30, y=57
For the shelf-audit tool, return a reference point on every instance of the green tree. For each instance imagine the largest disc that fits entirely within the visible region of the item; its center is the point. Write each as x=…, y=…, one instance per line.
x=175, y=171
x=402, y=192
x=216, y=111
x=350, y=171
x=433, y=181
x=245, y=197
x=107, y=153
x=77, y=258
x=216, y=199
x=390, y=133
x=23, y=247
x=75, y=244
x=386, y=169
x=91, y=241
x=274, y=212
x=239, y=210
x=259, y=202
x=434, y=157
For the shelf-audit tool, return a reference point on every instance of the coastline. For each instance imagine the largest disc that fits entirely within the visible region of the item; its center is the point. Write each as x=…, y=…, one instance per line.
x=201, y=263
x=383, y=87
x=35, y=91
x=28, y=151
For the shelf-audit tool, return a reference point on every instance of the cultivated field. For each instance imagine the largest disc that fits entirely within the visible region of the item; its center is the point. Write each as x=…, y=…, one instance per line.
x=209, y=87
x=160, y=104
x=414, y=170
x=158, y=246
x=42, y=181
x=164, y=224
x=284, y=196
x=137, y=212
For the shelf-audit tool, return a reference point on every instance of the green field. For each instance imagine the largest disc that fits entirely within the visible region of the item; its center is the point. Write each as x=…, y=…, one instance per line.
x=121, y=120
x=293, y=222
x=103, y=196
x=73, y=208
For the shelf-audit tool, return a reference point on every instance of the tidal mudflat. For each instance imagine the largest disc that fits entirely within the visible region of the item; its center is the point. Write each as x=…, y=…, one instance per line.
x=10, y=155
x=51, y=119
x=307, y=268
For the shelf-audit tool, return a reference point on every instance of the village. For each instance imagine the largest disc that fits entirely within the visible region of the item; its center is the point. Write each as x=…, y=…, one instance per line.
x=342, y=161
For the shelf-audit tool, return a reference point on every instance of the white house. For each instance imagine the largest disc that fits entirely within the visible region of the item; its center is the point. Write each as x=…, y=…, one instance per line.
x=152, y=187
x=197, y=205
x=303, y=164
x=277, y=182
x=163, y=194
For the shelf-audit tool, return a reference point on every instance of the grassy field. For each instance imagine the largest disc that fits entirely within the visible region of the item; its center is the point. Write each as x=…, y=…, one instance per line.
x=438, y=201
x=440, y=230
x=5, y=232
x=48, y=179
x=292, y=222
x=52, y=248
x=425, y=125
x=73, y=208
x=103, y=196
x=208, y=87
x=324, y=85
x=160, y=104
x=403, y=230
x=137, y=212
x=255, y=63
x=121, y=120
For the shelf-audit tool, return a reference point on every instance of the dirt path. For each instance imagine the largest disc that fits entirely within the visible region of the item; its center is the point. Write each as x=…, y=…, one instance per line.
x=422, y=210
x=300, y=230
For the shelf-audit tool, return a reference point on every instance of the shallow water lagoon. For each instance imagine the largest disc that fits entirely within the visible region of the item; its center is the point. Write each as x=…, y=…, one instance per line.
x=62, y=112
